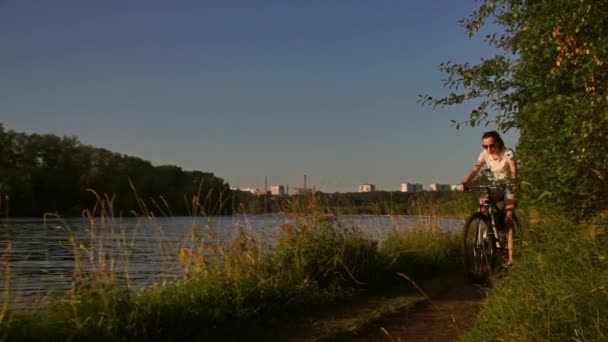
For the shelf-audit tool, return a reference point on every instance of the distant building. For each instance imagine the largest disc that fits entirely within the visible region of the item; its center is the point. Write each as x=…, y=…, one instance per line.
x=411, y=187
x=251, y=190
x=367, y=188
x=261, y=192
x=277, y=190
x=456, y=187
x=303, y=191
x=440, y=187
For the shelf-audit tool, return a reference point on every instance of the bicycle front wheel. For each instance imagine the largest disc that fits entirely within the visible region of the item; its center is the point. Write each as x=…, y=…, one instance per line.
x=478, y=248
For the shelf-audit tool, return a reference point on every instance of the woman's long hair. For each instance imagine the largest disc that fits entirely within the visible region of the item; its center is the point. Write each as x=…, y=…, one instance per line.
x=497, y=139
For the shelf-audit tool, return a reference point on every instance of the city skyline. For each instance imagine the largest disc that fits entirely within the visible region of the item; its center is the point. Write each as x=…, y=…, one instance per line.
x=356, y=188
x=247, y=90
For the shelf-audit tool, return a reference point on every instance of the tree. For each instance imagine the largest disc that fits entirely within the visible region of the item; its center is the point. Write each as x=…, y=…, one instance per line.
x=47, y=173
x=548, y=81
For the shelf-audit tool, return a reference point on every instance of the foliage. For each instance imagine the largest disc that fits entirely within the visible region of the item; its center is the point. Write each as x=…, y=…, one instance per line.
x=422, y=248
x=548, y=81
x=360, y=203
x=556, y=290
x=455, y=204
x=326, y=254
x=46, y=173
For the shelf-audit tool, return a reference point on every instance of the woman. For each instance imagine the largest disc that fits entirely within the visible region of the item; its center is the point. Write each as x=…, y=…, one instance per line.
x=499, y=160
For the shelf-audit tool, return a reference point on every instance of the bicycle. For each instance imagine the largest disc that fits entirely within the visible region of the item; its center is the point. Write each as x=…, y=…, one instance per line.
x=485, y=246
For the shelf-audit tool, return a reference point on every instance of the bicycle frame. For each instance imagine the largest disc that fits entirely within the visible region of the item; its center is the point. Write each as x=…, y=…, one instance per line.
x=493, y=210
x=485, y=234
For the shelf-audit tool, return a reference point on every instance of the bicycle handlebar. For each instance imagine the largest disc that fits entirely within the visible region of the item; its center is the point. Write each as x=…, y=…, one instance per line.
x=493, y=185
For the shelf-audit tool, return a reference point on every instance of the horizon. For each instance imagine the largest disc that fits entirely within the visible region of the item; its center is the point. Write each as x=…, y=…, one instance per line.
x=247, y=91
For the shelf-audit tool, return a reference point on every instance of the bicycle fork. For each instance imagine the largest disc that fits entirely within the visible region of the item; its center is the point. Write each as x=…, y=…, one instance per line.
x=492, y=229
x=494, y=226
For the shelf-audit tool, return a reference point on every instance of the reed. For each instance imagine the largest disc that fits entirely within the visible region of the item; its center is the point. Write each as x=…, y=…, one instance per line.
x=423, y=250
x=242, y=282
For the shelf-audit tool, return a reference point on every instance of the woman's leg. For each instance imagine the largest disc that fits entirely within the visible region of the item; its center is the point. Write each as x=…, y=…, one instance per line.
x=482, y=202
x=509, y=214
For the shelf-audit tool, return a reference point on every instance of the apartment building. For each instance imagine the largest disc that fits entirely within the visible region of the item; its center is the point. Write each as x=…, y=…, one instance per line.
x=367, y=188
x=411, y=187
x=440, y=187
x=456, y=187
x=277, y=190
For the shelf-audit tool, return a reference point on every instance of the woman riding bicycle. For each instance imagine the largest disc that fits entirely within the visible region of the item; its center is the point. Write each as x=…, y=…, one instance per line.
x=499, y=160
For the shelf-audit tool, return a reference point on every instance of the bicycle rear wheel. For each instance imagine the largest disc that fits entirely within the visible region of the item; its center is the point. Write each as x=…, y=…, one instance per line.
x=478, y=248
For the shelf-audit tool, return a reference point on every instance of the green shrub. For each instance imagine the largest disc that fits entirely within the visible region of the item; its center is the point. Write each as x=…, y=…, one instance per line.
x=555, y=291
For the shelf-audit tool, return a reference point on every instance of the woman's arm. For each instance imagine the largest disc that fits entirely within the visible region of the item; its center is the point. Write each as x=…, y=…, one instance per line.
x=472, y=174
x=513, y=166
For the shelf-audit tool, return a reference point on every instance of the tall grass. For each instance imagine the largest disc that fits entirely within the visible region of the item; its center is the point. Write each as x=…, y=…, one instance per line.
x=454, y=204
x=557, y=290
x=427, y=250
x=316, y=262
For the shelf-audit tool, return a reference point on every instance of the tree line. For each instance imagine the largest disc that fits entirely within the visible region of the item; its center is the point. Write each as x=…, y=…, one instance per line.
x=45, y=173
x=359, y=203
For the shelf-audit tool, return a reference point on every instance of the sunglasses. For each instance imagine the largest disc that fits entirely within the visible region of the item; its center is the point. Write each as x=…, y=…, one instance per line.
x=488, y=146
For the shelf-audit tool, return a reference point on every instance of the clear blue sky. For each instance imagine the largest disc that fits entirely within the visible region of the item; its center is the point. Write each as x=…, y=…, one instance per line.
x=246, y=89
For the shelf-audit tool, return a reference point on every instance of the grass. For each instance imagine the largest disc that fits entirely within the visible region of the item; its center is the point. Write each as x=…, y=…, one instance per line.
x=557, y=290
x=316, y=264
x=428, y=250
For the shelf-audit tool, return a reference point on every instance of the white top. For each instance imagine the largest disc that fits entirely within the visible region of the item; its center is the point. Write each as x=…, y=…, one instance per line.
x=498, y=167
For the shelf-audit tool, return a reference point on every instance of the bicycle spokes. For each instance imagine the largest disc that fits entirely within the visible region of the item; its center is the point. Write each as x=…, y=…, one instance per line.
x=477, y=247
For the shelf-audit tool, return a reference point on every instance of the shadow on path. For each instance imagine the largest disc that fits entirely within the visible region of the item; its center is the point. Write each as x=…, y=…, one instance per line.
x=446, y=317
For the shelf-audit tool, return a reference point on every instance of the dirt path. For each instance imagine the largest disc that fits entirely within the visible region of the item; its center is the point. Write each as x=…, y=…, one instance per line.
x=446, y=317
x=451, y=312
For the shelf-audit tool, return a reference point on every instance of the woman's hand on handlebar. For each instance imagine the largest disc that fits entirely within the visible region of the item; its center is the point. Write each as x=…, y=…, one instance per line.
x=464, y=186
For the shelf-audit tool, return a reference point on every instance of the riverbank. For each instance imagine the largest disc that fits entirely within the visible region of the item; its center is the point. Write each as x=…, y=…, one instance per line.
x=146, y=250
x=556, y=290
x=328, y=282
x=315, y=266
